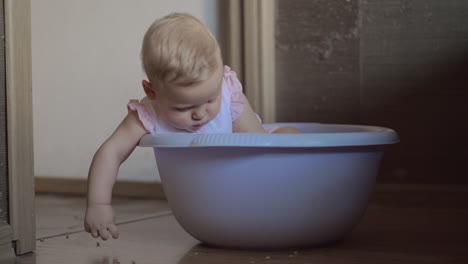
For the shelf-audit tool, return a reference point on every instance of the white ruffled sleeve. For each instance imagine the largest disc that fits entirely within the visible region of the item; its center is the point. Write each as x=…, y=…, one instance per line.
x=145, y=116
x=235, y=88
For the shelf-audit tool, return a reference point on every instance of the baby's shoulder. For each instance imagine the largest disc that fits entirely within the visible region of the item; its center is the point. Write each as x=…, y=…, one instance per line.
x=145, y=111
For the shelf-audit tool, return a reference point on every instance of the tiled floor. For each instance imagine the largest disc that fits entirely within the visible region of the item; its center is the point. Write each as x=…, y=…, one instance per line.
x=57, y=215
x=401, y=225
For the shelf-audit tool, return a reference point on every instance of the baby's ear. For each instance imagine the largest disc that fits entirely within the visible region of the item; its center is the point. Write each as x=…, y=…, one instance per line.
x=148, y=90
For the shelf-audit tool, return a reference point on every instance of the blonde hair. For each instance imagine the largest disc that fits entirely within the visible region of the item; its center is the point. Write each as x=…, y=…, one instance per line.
x=178, y=49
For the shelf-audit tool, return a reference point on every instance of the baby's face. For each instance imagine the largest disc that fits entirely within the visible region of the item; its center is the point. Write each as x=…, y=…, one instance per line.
x=190, y=108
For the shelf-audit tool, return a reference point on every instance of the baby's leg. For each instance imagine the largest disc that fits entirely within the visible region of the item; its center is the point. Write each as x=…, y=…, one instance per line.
x=287, y=130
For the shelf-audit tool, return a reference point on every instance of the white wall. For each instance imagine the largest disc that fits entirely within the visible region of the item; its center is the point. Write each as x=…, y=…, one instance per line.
x=85, y=67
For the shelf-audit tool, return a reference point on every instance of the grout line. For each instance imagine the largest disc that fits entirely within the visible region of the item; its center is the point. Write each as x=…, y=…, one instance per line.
x=158, y=215
x=63, y=234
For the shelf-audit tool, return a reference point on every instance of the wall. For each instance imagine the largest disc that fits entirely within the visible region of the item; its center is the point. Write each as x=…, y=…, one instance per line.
x=395, y=63
x=317, y=61
x=85, y=56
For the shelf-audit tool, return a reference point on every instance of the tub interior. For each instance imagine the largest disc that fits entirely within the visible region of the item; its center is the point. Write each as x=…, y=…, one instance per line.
x=315, y=135
x=318, y=128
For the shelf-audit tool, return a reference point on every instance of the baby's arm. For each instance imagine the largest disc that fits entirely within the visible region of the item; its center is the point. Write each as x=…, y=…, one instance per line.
x=99, y=219
x=247, y=122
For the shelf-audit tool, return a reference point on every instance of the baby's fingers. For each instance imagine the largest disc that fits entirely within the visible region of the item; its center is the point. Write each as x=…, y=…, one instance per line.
x=94, y=233
x=113, y=230
x=103, y=233
x=86, y=227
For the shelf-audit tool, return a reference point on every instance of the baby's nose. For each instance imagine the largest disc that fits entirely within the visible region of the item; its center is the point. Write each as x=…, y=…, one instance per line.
x=198, y=114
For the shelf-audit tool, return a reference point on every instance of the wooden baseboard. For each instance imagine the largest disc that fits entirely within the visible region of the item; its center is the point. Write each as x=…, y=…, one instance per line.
x=6, y=236
x=421, y=187
x=149, y=190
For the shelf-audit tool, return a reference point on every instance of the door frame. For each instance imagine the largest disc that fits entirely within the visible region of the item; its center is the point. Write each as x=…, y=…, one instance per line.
x=250, y=50
x=20, y=124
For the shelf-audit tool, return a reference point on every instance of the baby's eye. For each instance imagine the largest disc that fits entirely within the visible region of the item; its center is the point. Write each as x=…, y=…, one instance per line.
x=212, y=100
x=183, y=109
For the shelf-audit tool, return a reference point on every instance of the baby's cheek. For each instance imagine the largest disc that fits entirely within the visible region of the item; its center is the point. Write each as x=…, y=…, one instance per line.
x=216, y=108
x=181, y=118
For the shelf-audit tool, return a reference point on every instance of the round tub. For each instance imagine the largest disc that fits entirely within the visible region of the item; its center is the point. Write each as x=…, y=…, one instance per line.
x=270, y=191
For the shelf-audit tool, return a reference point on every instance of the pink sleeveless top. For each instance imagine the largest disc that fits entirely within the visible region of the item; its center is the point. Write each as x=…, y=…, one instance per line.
x=231, y=108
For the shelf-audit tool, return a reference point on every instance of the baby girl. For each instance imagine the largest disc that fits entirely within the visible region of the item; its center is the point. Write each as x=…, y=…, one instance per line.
x=188, y=91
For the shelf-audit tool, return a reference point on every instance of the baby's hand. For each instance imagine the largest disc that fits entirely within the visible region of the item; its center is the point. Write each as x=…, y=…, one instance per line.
x=99, y=221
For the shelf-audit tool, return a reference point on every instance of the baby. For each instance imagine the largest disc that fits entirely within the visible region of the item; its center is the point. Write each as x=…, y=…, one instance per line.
x=188, y=91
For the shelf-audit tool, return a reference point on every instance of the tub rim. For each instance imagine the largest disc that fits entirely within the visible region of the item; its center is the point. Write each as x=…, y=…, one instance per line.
x=352, y=135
